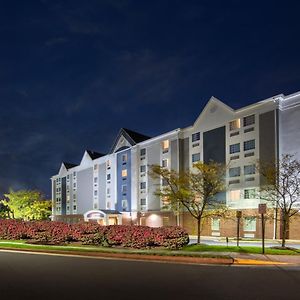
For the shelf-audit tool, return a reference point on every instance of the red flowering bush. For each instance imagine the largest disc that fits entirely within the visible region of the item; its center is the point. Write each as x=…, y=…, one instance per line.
x=55, y=233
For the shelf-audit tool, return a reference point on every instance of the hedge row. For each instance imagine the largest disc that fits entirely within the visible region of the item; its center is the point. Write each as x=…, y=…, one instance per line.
x=56, y=233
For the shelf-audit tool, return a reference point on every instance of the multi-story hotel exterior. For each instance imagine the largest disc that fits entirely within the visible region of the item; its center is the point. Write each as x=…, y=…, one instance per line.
x=115, y=188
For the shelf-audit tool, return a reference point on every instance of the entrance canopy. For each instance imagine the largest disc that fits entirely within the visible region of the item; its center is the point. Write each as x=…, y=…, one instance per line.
x=103, y=216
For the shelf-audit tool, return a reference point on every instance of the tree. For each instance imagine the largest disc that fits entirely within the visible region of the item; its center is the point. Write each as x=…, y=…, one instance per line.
x=194, y=191
x=27, y=205
x=281, y=186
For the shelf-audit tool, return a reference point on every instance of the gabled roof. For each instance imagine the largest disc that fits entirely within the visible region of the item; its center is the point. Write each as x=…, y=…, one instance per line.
x=131, y=136
x=93, y=154
x=135, y=136
x=69, y=165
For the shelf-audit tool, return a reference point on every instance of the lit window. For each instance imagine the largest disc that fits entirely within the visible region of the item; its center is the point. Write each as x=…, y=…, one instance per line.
x=249, y=120
x=195, y=136
x=195, y=157
x=235, y=195
x=235, y=124
x=164, y=163
x=215, y=224
x=124, y=173
x=250, y=169
x=165, y=145
x=249, y=194
x=234, y=172
x=249, y=224
x=249, y=145
x=143, y=168
x=235, y=148
x=143, y=185
x=143, y=152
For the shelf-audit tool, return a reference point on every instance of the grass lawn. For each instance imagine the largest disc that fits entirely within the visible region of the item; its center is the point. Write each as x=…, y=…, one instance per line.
x=244, y=249
x=190, y=250
x=20, y=244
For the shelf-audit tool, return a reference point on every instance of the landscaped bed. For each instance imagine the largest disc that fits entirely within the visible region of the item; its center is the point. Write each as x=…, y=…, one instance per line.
x=57, y=233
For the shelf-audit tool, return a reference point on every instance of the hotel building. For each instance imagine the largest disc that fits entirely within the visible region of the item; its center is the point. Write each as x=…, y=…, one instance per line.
x=115, y=188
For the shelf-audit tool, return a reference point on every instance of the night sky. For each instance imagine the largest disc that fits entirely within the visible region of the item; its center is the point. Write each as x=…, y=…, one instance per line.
x=72, y=73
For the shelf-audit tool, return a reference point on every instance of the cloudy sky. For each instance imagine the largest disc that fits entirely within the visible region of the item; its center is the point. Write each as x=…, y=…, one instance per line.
x=73, y=72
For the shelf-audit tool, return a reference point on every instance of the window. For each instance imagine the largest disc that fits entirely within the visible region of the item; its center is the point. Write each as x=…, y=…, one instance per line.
x=215, y=224
x=74, y=184
x=74, y=174
x=249, y=169
x=124, y=188
x=143, y=185
x=249, y=120
x=143, y=202
x=124, y=157
x=234, y=148
x=95, y=167
x=74, y=207
x=108, y=205
x=249, y=145
x=143, y=152
x=108, y=164
x=124, y=204
x=249, y=224
x=143, y=168
x=249, y=194
x=95, y=192
x=108, y=176
x=164, y=163
x=234, y=172
x=124, y=173
x=235, y=124
x=108, y=191
x=235, y=195
x=195, y=157
x=95, y=179
x=195, y=136
x=165, y=145
x=95, y=205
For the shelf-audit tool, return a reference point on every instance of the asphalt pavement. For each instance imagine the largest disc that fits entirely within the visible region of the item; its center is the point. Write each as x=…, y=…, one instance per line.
x=32, y=276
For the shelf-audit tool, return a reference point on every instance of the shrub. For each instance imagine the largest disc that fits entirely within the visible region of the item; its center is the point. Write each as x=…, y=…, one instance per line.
x=56, y=233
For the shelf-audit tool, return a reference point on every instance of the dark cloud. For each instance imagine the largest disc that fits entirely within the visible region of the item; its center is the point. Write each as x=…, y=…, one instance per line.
x=72, y=73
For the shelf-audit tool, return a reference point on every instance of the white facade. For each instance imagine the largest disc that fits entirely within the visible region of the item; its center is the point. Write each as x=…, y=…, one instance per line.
x=119, y=181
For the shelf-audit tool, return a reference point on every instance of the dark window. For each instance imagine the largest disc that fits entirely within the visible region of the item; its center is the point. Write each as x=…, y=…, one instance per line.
x=143, y=152
x=195, y=157
x=249, y=145
x=235, y=148
x=195, y=136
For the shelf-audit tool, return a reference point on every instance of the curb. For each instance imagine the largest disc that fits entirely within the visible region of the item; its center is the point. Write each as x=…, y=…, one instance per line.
x=135, y=257
x=225, y=261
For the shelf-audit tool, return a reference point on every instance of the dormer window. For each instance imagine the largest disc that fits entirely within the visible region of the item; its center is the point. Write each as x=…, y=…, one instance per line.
x=165, y=146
